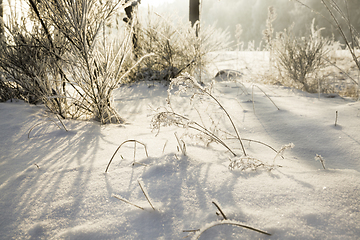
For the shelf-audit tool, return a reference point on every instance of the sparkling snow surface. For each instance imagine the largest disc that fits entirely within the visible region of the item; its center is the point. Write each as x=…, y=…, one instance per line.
x=53, y=185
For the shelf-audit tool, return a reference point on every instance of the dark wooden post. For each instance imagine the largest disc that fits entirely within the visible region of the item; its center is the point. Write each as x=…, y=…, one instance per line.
x=194, y=13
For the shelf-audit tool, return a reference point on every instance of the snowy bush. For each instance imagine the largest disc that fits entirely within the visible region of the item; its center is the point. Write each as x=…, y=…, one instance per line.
x=176, y=47
x=342, y=21
x=188, y=84
x=68, y=60
x=94, y=61
x=300, y=59
x=202, y=97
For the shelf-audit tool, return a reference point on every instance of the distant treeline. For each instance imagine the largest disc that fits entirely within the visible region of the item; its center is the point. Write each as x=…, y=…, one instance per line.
x=252, y=14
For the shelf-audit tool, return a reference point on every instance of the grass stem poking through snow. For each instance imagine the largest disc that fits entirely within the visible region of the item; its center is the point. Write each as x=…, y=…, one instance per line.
x=62, y=123
x=233, y=224
x=195, y=230
x=336, y=117
x=126, y=201
x=282, y=150
x=188, y=83
x=171, y=118
x=146, y=195
x=135, y=141
x=164, y=146
x=134, y=153
x=181, y=144
x=259, y=142
x=265, y=95
x=32, y=128
x=222, y=213
x=246, y=162
x=321, y=159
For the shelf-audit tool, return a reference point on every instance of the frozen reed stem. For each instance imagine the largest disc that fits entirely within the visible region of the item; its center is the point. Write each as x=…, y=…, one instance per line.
x=135, y=141
x=147, y=198
x=222, y=213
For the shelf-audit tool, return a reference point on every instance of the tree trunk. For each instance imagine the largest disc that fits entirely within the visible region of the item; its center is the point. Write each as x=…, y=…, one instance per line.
x=194, y=13
x=2, y=31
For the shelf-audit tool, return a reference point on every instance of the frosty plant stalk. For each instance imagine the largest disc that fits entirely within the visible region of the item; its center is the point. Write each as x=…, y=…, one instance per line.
x=46, y=121
x=232, y=223
x=321, y=159
x=264, y=94
x=188, y=83
x=226, y=221
x=134, y=141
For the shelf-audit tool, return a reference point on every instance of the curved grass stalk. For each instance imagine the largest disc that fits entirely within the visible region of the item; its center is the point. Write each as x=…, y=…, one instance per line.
x=135, y=141
x=214, y=137
x=228, y=115
x=222, y=213
x=265, y=95
x=32, y=128
x=190, y=82
x=232, y=224
x=262, y=143
x=198, y=127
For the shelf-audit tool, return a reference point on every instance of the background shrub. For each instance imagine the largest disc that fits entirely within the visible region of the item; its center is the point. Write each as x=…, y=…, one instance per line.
x=175, y=46
x=300, y=59
x=29, y=65
x=67, y=60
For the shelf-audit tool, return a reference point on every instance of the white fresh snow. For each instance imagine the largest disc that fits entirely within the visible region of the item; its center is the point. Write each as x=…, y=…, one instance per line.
x=53, y=185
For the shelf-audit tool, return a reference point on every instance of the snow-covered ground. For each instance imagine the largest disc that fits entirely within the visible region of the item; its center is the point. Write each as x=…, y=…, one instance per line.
x=53, y=184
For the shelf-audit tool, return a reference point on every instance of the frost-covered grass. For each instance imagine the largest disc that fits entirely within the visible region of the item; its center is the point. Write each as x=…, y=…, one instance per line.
x=54, y=185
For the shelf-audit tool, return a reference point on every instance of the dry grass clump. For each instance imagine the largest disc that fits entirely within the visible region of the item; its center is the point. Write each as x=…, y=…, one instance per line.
x=341, y=20
x=176, y=47
x=67, y=60
x=29, y=67
x=300, y=59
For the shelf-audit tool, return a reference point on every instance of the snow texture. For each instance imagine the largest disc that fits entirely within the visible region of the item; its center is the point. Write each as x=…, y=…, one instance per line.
x=53, y=185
